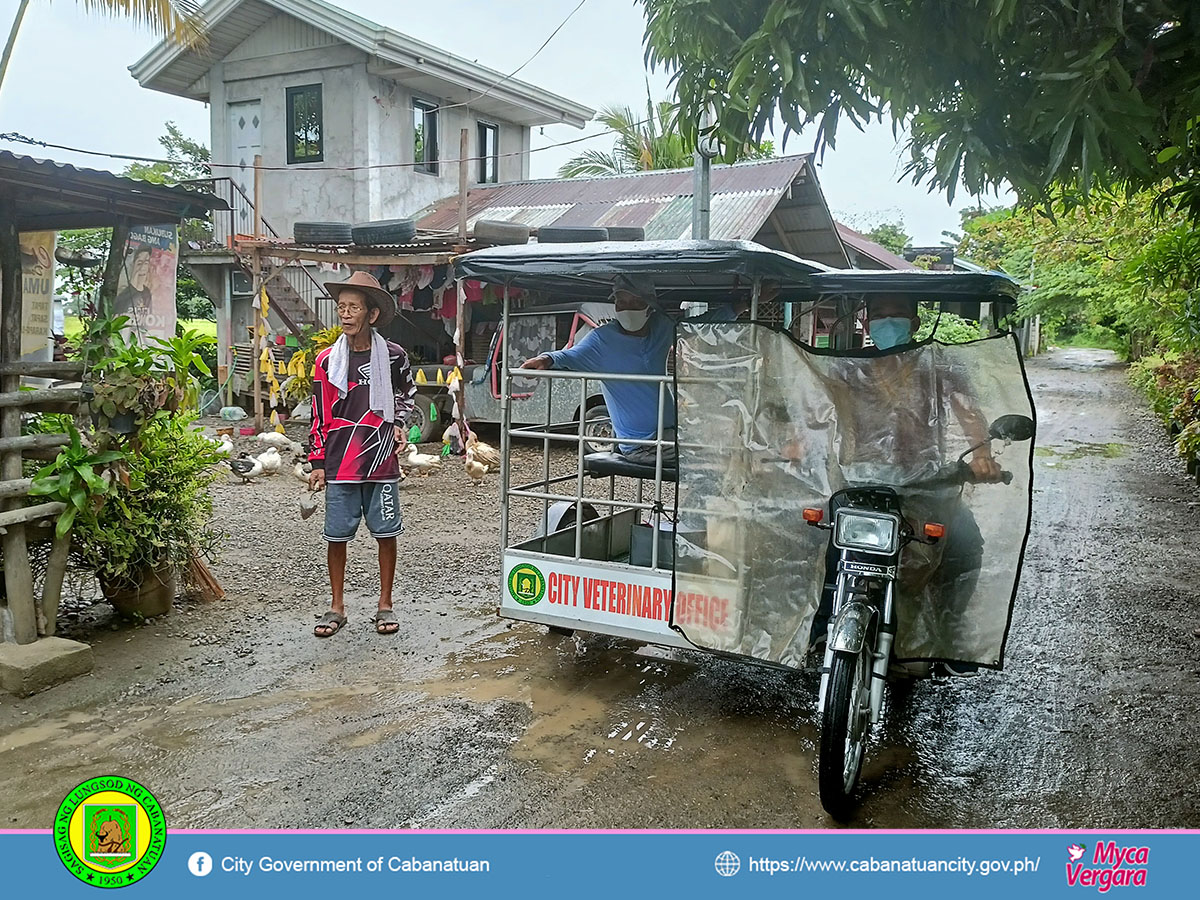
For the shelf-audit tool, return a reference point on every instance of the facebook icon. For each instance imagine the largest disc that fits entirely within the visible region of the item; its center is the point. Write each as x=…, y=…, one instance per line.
x=200, y=864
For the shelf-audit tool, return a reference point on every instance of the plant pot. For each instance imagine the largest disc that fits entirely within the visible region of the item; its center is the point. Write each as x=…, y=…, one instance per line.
x=152, y=596
x=121, y=423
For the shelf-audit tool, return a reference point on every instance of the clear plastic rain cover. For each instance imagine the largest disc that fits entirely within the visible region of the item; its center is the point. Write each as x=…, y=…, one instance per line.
x=768, y=428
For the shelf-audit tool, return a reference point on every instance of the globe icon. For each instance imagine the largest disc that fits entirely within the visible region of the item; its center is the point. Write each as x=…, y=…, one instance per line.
x=727, y=863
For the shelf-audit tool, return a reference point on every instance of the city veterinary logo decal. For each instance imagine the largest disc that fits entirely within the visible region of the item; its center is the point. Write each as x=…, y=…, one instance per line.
x=110, y=832
x=526, y=584
x=1110, y=866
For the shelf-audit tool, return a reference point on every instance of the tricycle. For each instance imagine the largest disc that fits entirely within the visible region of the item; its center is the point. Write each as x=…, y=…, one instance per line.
x=856, y=509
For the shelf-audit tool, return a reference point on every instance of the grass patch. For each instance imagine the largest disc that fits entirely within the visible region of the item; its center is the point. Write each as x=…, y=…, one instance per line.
x=73, y=326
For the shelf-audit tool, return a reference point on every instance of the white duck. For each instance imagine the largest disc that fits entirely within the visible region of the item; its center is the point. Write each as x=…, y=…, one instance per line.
x=422, y=462
x=484, y=453
x=475, y=468
x=271, y=461
x=225, y=447
x=301, y=471
x=274, y=439
x=246, y=467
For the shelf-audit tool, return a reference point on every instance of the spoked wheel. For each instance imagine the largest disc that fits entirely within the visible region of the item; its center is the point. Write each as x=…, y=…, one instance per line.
x=845, y=724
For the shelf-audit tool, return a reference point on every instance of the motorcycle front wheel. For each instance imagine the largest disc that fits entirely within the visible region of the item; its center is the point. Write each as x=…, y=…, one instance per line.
x=845, y=724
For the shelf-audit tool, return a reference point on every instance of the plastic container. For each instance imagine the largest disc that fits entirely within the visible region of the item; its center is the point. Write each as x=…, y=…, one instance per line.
x=232, y=413
x=246, y=432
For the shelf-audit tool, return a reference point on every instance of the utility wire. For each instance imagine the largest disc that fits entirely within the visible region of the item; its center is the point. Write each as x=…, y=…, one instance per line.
x=17, y=138
x=517, y=70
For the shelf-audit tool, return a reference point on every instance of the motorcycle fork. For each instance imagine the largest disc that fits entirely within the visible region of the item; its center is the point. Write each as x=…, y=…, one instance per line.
x=849, y=585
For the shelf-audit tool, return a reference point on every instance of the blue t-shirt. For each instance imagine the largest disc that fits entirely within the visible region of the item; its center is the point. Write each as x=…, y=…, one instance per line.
x=632, y=405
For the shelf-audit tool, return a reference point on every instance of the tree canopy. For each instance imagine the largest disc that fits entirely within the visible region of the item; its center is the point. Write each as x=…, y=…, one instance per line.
x=1054, y=98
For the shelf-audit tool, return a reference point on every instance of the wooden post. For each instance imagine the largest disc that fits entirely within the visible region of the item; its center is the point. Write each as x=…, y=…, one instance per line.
x=56, y=568
x=112, y=268
x=460, y=337
x=256, y=364
x=257, y=196
x=463, y=164
x=259, y=322
x=18, y=578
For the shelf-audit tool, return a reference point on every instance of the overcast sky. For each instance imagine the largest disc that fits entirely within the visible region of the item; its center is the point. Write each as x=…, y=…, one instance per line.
x=68, y=83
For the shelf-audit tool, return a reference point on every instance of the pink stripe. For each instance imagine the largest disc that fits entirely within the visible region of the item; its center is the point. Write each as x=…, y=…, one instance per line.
x=698, y=831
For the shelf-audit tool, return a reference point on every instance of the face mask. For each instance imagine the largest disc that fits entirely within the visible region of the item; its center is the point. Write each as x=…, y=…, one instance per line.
x=889, y=333
x=632, y=319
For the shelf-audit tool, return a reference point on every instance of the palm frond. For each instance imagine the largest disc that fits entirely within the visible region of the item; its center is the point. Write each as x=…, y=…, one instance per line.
x=592, y=163
x=180, y=21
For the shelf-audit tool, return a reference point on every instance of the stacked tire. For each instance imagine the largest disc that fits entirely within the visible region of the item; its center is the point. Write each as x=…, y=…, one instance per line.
x=323, y=233
x=384, y=232
x=626, y=233
x=492, y=231
x=571, y=234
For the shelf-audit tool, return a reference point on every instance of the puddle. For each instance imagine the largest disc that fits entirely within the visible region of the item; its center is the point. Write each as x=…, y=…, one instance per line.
x=1080, y=450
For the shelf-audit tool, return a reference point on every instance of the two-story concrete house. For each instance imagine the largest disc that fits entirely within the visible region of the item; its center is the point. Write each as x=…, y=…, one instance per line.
x=310, y=87
x=354, y=122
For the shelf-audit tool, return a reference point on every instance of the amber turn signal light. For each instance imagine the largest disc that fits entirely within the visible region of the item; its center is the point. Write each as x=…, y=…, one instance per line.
x=934, y=530
x=814, y=515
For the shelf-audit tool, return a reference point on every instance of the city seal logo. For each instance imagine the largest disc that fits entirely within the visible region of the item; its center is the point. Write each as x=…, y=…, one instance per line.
x=526, y=584
x=110, y=832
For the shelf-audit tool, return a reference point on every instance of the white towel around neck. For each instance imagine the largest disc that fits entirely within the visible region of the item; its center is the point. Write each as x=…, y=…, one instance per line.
x=383, y=401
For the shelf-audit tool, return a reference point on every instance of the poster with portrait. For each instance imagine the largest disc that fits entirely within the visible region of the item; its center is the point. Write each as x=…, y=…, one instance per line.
x=37, y=291
x=146, y=287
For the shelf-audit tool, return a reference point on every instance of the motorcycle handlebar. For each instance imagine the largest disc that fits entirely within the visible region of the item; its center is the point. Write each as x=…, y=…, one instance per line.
x=960, y=474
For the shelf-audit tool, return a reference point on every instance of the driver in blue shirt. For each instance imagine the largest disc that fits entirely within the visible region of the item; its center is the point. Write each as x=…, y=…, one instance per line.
x=637, y=342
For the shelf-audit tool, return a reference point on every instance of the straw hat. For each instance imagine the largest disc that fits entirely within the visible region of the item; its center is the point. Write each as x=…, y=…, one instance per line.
x=376, y=295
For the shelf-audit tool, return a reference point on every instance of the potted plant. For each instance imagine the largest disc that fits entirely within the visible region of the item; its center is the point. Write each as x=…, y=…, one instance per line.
x=130, y=382
x=154, y=518
x=137, y=489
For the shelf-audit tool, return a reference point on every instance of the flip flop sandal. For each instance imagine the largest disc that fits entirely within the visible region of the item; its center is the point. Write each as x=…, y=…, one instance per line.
x=330, y=620
x=383, y=618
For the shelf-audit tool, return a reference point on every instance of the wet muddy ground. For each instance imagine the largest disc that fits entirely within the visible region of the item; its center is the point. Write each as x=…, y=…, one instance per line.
x=234, y=715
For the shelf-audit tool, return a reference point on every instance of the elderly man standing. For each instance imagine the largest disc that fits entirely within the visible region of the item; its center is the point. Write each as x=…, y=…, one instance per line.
x=637, y=343
x=363, y=392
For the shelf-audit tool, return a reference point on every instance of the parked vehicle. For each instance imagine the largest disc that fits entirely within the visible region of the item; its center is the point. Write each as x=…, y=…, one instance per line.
x=532, y=331
x=716, y=552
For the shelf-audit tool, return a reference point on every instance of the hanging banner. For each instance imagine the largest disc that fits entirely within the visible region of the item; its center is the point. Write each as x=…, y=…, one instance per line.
x=146, y=287
x=37, y=292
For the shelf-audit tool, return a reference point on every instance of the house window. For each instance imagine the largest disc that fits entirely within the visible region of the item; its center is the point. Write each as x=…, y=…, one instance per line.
x=425, y=137
x=489, y=153
x=305, y=122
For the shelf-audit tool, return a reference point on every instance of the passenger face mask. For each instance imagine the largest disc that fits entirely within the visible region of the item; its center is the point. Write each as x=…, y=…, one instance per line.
x=632, y=319
x=890, y=332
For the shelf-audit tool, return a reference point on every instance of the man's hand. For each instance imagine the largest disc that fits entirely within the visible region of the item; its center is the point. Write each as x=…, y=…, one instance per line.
x=401, y=440
x=985, y=468
x=316, y=479
x=536, y=362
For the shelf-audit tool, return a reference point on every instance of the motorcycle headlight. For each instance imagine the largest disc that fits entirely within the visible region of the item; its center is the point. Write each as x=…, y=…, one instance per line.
x=873, y=532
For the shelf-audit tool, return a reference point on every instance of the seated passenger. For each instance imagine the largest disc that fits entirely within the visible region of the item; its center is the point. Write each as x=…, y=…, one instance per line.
x=637, y=343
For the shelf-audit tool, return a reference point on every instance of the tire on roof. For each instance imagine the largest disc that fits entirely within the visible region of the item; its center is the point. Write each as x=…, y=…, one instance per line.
x=384, y=231
x=571, y=234
x=491, y=231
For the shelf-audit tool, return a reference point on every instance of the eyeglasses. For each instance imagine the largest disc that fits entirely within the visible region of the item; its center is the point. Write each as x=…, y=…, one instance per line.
x=347, y=310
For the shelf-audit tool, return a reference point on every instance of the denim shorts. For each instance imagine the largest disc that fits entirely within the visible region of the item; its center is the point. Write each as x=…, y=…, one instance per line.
x=347, y=504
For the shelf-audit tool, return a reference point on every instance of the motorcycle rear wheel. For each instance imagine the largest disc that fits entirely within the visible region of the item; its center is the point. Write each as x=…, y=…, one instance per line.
x=845, y=725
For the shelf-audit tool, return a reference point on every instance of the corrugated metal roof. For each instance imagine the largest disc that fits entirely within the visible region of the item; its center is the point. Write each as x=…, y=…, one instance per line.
x=53, y=195
x=863, y=246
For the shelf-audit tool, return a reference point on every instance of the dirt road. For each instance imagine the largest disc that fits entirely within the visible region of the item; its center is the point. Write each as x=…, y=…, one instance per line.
x=236, y=716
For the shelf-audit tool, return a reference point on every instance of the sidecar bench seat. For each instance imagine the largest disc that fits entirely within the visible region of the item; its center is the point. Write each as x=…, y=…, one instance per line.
x=602, y=465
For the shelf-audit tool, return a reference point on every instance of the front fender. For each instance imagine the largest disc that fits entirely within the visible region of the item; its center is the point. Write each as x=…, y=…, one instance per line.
x=851, y=626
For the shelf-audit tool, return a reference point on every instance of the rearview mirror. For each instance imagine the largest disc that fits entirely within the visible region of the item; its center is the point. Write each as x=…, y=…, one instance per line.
x=1012, y=428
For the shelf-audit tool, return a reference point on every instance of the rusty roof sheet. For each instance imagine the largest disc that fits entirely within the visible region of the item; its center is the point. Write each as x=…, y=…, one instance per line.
x=590, y=201
x=49, y=195
x=877, y=253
